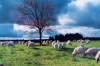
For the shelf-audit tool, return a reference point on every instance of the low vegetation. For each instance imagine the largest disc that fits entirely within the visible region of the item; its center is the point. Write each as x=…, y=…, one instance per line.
x=21, y=55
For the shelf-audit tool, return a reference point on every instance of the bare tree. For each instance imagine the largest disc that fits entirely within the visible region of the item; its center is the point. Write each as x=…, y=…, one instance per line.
x=39, y=14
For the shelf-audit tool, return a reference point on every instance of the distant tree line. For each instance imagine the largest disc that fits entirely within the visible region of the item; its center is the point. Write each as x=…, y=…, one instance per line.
x=66, y=37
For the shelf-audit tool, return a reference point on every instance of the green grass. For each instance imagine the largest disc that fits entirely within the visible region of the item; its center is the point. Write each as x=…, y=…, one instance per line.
x=21, y=55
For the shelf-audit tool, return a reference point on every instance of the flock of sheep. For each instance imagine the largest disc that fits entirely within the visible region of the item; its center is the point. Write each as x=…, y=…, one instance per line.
x=12, y=43
x=60, y=45
x=80, y=49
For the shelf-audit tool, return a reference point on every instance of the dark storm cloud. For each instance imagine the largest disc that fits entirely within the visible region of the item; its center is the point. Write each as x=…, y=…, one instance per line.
x=86, y=14
x=89, y=17
x=7, y=7
x=61, y=4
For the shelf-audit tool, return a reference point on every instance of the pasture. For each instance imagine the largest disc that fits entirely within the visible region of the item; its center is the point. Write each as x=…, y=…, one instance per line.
x=21, y=55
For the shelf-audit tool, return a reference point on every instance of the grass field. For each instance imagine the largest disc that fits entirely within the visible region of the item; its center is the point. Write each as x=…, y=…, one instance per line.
x=21, y=55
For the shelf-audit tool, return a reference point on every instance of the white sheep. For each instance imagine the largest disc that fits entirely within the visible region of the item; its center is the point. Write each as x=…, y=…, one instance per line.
x=97, y=57
x=44, y=42
x=50, y=41
x=10, y=43
x=79, y=50
x=87, y=41
x=30, y=44
x=21, y=42
x=91, y=52
x=78, y=41
x=57, y=46
x=1, y=43
x=69, y=42
x=82, y=41
x=53, y=43
x=63, y=45
x=47, y=42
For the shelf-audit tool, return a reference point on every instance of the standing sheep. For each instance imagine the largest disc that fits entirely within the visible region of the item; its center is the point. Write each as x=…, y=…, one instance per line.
x=63, y=45
x=79, y=50
x=50, y=41
x=44, y=42
x=1, y=43
x=57, y=46
x=82, y=41
x=30, y=44
x=53, y=43
x=97, y=57
x=78, y=41
x=87, y=41
x=69, y=42
x=10, y=43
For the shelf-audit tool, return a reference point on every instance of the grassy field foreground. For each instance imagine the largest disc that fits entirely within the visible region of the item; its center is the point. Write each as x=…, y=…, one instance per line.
x=21, y=55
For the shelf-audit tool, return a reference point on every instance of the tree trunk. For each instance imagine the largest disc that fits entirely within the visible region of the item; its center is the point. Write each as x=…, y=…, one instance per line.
x=40, y=36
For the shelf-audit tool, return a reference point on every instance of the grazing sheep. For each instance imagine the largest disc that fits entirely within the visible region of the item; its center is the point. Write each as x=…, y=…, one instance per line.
x=50, y=41
x=97, y=57
x=82, y=41
x=57, y=46
x=69, y=42
x=1, y=43
x=10, y=43
x=47, y=42
x=53, y=43
x=63, y=45
x=26, y=43
x=78, y=41
x=87, y=41
x=91, y=52
x=21, y=42
x=30, y=44
x=79, y=50
x=44, y=42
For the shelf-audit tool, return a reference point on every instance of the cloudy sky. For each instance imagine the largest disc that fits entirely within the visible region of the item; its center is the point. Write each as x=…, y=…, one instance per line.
x=74, y=16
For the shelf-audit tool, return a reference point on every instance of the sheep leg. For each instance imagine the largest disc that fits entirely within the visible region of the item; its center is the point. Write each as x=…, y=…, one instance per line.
x=74, y=55
x=84, y=55
x=97, y=60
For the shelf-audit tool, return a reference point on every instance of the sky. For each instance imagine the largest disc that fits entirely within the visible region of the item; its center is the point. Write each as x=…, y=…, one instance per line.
x=73, y=16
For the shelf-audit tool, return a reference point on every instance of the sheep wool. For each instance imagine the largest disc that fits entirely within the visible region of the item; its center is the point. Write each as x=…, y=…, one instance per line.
x=63, y=45
x=10, y=43
x=91, y=51
x=53, y=43
x=1, y=43
x=69, y=42
x=30, y=44
x=79, y=50
x=87, y=41
x=97, y=57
